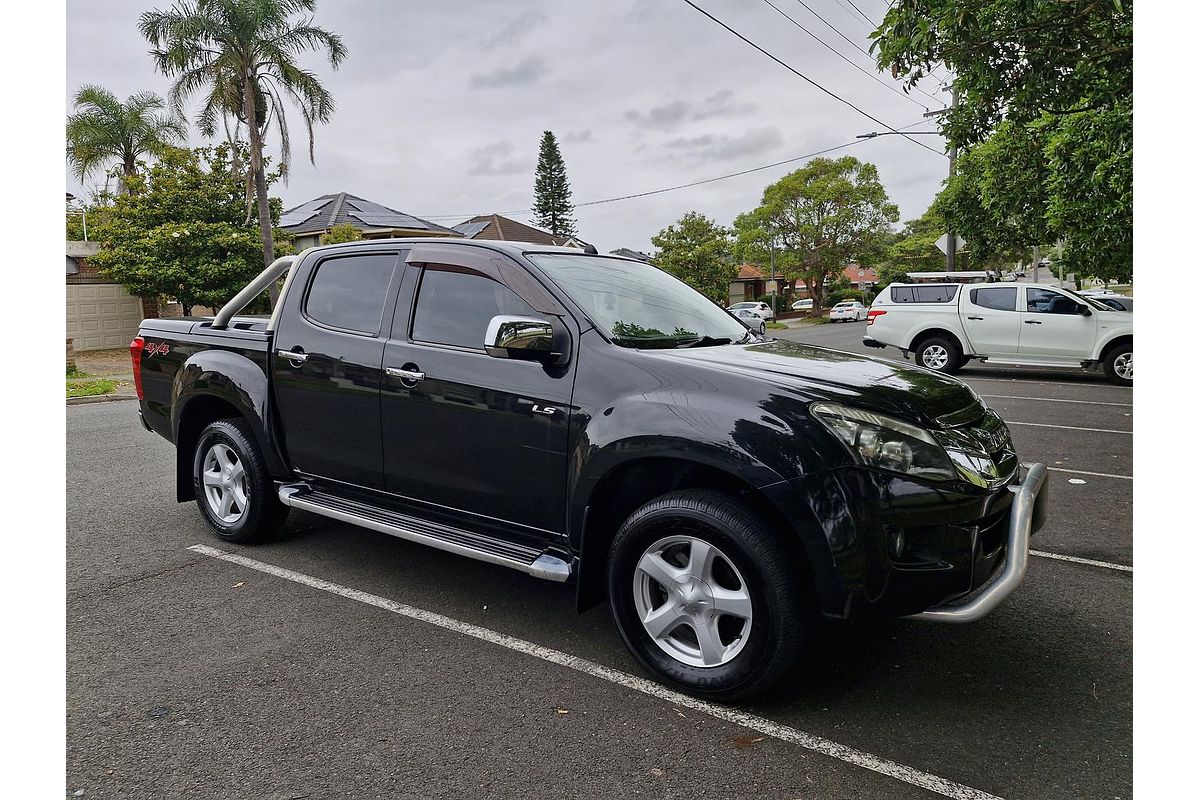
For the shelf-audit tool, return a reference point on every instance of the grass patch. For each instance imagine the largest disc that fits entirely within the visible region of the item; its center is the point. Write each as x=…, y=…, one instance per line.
x=74, y=372
x=91, y=388
x=776, y=326
x=814, y=320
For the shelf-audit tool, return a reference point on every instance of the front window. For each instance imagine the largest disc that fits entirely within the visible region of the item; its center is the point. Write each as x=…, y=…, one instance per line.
x=638, y=305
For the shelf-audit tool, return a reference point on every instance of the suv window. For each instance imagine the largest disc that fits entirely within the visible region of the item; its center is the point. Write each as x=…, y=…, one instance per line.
x=455, y=305
x=1045, y=301
x=999, y=299
x=349, y=292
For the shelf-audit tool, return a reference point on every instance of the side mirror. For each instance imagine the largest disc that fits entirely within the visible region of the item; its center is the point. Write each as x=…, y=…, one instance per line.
x=1085, y=311
x=526, y=338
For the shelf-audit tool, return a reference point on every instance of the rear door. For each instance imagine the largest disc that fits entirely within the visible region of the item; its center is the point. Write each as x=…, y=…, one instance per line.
x=1056, y=327
x=328, y=366
x=991, y=320
x=479, y=440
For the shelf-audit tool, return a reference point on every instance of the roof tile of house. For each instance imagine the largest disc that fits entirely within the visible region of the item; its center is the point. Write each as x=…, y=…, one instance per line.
x=322, y=213
x=749, y=272
x=497, y=228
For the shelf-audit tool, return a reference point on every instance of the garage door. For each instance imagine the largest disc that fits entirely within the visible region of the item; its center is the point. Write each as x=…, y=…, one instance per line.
x=101, y=315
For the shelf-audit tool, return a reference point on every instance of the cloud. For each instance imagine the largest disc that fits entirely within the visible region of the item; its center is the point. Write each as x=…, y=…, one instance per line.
x=584, y=135
x=721, y=104
x=497, y=159
x=523, y=72
x=515, y=29
x=723, y=147
x=660, y=117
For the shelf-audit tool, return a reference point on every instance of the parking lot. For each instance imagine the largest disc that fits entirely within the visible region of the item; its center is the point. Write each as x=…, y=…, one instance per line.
x=338, y=662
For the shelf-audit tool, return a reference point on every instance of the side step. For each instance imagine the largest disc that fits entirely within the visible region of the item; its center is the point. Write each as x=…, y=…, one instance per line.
x=443, y=537
x=1008, y=362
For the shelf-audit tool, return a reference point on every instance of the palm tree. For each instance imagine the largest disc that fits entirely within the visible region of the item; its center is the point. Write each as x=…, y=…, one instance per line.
x=103, y=130
x=241, y=55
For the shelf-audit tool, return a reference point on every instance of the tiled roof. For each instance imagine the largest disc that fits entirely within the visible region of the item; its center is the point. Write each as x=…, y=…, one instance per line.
x=749, y=272
x=497, y=228
x=321, y=214
x=852, y=274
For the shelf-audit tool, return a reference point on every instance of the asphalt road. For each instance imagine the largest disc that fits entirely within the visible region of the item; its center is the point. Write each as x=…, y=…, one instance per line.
x=192, y=676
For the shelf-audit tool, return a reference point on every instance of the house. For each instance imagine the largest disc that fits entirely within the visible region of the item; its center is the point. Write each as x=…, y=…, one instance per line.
x=860, y=277
x=307, y=222
x=637, y=255
x=497, y=228
x=100, y=313
x=750, y=284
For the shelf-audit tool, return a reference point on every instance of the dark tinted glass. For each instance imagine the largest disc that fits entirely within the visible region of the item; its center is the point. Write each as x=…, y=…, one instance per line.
x=349, y=292
x=999, y=299
x=902, y=294
x=1044, y=301
x=934, y=294
x=455, y=306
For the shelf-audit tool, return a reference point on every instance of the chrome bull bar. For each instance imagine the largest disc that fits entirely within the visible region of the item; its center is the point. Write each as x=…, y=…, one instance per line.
x=1027, y=514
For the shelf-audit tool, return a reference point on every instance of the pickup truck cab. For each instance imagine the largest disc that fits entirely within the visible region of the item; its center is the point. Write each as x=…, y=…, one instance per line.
x=1021, y=324
x=592, y=419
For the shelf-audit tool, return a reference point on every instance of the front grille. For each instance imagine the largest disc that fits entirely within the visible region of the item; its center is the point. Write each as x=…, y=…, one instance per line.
x=984, y=446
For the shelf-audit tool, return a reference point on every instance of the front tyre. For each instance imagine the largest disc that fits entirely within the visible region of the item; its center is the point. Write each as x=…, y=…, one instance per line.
x=1118, y=365
x=939, y=354
x=233, y=489
x=705, y=596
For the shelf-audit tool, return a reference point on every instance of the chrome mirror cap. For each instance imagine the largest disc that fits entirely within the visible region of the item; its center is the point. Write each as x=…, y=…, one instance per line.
x=519, y=337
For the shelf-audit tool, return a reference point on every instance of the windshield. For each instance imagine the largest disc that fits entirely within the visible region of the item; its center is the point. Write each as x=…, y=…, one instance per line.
x=638, y=305
x=1087, y=300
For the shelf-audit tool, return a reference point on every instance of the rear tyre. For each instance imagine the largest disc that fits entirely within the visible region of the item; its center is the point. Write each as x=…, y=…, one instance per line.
x=939, y=354
x=762, y=329
x=1118, y=365
x=233, y=489
x=706, y=596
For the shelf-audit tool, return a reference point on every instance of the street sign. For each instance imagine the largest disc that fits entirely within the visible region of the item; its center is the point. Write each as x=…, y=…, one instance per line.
x=944, y=242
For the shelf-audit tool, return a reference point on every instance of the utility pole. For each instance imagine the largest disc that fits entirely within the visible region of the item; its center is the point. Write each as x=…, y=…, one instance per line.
x=951, y=239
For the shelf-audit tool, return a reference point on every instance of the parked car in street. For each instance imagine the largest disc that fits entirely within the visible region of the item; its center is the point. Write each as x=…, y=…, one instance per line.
x=946, y=325
x=1117, y=302
x=593, y=419
x=848, y=311
x=753, y=320
x=757, y=306
x=805, y=304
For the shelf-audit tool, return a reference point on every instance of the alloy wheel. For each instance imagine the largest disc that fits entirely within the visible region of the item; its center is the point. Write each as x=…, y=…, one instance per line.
x=225, y=488
x=935, y=356
x=1123, y=366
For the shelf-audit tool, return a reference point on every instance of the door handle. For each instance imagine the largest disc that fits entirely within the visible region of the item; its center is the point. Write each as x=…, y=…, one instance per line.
x=1032, y=322
x=405, y=374
x=294, y=357
x=974, y=317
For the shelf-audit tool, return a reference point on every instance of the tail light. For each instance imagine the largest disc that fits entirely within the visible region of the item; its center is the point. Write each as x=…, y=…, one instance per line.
x=135, y=353
x=872, y=314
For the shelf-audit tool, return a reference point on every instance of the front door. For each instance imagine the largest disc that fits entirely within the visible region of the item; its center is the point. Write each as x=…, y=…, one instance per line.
x=1056, y=327
x=328, y=364
x=990, y=318
x=478, y=441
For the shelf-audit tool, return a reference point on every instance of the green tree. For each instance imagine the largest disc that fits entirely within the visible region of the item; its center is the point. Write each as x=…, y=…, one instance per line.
x=341, y=233
x=821, y=217
x=243, y=56
x=182, y=231
x=105, y=132
x=1045, y=120
x=552, y=191
x=697, y=251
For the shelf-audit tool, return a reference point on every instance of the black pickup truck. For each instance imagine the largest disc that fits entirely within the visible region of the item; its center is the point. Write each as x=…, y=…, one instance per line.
x=593, y=419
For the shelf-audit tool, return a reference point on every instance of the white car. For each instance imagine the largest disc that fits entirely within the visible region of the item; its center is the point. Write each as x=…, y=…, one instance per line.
x=753, y=320
x=1023, y=324
x=848, y=311
x=802, y=305
x=758, y=307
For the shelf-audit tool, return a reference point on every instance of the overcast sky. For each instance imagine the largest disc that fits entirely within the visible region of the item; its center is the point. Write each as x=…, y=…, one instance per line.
x=441, y=105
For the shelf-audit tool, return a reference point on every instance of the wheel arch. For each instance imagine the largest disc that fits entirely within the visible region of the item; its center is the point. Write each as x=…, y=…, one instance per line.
x=930, y=333
x=1111, y=344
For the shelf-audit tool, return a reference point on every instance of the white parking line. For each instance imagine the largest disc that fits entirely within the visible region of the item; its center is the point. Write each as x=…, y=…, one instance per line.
x=1076, y=560
x=849, y=755
x=1093, y=474
x=1054, y=400
x=1067, y=427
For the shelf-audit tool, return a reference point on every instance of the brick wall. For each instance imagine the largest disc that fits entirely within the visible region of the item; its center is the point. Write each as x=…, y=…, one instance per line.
x=71, y=355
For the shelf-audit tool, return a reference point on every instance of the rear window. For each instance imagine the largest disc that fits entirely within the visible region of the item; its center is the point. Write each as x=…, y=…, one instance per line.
x=924, y=294
x=348, y=292
x=999, y=299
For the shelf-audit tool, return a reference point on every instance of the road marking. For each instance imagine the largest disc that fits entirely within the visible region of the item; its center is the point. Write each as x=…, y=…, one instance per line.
x=1054, y=400
x=1094, y=474
x=808, y=741
x=1067, y=427
x=1090, y=562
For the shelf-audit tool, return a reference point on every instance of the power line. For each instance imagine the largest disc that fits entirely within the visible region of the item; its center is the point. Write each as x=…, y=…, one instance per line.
x=860, y=13
x=856, y=45
x=682, y=185
x=840, y=55
x=805, y=78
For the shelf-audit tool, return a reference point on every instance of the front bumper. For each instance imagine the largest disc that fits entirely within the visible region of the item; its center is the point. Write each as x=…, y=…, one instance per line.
x=1027, y=515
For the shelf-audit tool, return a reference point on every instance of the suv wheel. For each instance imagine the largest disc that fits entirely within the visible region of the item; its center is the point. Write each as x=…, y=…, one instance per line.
x=1118, y=365
x=233, y=490
x=939, y=354
x=706, y=596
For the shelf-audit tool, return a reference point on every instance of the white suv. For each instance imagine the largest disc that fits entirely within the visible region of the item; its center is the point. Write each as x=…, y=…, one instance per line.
x=758, y=307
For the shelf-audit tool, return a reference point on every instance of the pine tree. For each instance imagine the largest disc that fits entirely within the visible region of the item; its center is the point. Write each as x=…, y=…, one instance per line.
x=551, y=191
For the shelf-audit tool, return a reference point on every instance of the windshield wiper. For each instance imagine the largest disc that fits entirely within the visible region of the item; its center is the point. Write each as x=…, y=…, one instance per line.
x=704, y=341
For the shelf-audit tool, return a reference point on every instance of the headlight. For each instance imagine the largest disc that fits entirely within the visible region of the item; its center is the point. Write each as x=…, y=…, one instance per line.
x=887, y=443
